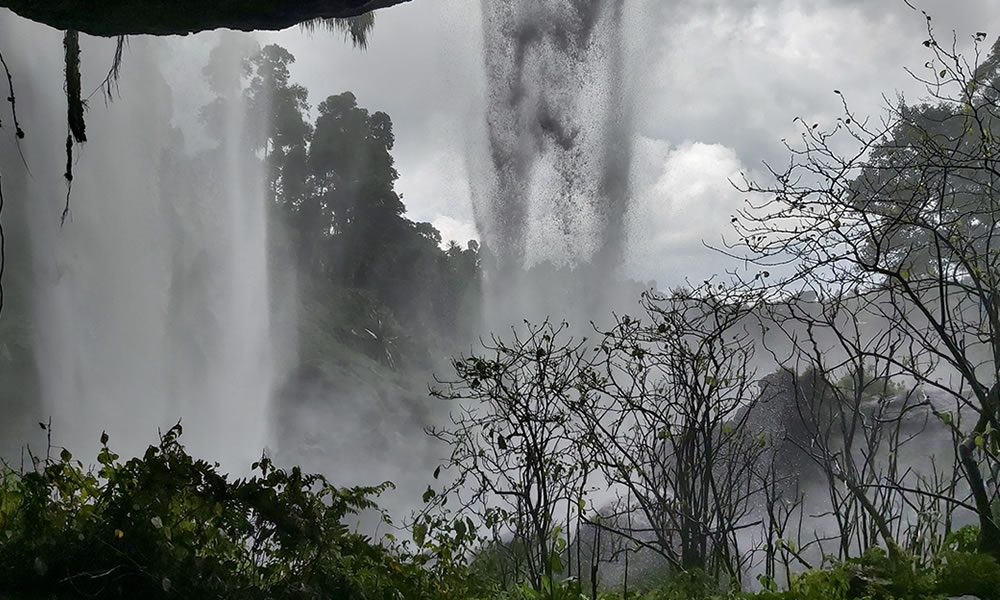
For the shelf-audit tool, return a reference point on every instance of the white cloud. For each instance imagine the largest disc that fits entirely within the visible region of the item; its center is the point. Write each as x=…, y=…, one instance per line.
x=455, y=230
x=684, y=201
x=436, y=184
x=738, y=73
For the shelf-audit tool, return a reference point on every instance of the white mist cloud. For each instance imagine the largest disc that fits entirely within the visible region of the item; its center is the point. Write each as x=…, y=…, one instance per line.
x=682, y=198
x=437, y=185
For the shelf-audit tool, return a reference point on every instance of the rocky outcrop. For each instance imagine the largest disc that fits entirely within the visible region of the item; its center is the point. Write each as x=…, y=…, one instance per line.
x=180, y=17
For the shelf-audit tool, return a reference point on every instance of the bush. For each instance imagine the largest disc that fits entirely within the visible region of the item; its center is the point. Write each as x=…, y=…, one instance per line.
x=165, y=525
x=168, y=526
x=967, y=573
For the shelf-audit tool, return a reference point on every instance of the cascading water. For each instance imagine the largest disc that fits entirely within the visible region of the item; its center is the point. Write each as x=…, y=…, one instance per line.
x=151, y=302
x=560, y=138
x=558, y=129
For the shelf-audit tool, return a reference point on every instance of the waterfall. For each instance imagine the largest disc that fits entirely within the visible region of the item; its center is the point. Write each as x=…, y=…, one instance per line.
x=559, y=123
x=151, y=303
x=559, y=130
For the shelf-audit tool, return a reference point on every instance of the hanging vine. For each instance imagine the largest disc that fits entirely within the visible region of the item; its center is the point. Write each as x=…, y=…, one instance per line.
x=75, y=108
x=18, y=131
x=18, y=136
x=109, y=87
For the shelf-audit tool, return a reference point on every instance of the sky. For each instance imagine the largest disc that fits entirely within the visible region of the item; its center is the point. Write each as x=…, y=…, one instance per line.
x=717, y=86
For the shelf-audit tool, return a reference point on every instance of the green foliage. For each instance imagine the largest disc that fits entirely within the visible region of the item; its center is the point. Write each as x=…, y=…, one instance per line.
x=872, y=385
x=165, y=525
x=567, y=589
x=340, y=219
x=966, y=572
x=831, y=584
x=876, y=576
x=965, y=539
x=691, y=584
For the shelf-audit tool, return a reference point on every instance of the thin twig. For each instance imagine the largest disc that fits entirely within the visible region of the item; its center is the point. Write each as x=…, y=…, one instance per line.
x=3, y=256
x=18, y=131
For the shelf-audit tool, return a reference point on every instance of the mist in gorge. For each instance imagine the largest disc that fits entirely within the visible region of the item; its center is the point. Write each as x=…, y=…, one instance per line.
x=511, y=300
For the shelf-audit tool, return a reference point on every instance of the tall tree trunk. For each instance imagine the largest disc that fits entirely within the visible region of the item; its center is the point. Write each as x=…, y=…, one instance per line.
x=989, y=531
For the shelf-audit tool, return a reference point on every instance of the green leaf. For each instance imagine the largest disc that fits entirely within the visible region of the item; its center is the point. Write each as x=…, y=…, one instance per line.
x=419, y=534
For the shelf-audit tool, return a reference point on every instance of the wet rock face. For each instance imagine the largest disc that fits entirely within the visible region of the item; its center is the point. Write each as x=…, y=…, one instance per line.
x=180, y=17
x=795, y=413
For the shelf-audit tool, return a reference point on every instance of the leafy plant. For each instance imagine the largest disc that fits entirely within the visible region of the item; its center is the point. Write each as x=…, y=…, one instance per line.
x=167, y=525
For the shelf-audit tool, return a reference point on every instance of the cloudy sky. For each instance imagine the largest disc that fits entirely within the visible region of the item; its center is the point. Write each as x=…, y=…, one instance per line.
x=719, y=83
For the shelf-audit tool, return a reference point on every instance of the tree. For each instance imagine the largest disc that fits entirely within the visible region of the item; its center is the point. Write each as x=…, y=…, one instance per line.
x=667, y=409
x=340, y=218
x=516, y=459
x=653, y=411
x=278, y=108
x=849, y=418
x=354, y=177
x=908, y=221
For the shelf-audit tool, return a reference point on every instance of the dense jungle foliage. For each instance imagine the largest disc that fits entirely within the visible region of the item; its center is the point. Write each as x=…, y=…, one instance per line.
x=165, y=525
x=387, y=282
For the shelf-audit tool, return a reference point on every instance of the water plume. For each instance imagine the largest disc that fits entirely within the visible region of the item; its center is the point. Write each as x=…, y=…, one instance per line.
x=559, y=126
x=555, y=185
